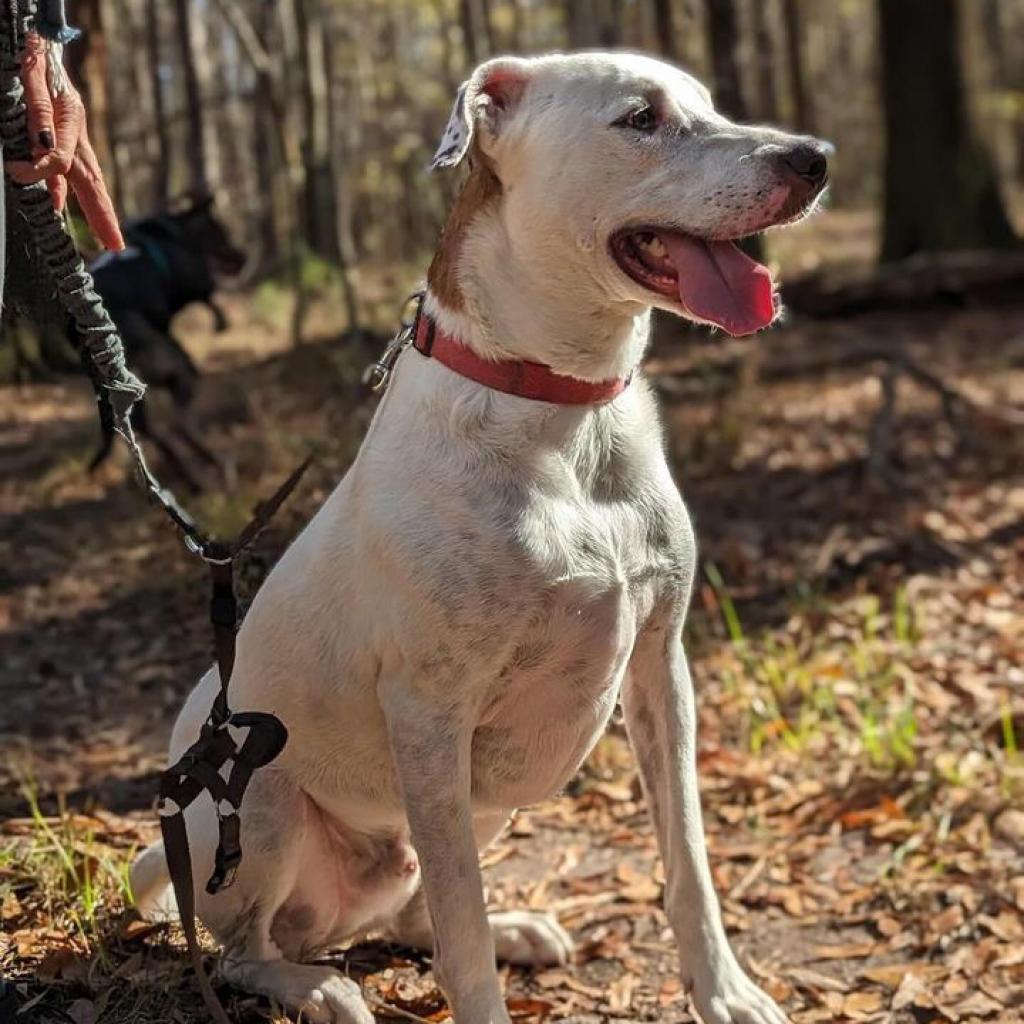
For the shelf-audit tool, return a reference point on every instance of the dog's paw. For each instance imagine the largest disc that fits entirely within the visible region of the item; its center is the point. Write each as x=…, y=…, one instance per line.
x=530, y=938
x=319, y=993
x=727, y=996
x=334, y=999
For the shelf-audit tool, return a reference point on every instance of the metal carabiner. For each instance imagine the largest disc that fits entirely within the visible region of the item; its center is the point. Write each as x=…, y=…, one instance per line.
x=378, y=373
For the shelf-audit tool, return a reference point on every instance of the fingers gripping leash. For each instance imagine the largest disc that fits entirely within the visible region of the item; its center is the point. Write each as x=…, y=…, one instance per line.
x=44, y=141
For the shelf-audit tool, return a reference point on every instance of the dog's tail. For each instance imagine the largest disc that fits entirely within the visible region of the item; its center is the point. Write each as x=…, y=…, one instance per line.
x=151, y=885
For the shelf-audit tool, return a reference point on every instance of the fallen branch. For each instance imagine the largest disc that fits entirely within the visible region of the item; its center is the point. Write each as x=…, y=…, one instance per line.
x=919, y=281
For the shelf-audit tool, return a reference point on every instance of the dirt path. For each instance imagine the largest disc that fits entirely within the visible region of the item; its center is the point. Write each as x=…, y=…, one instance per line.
x=857, y=651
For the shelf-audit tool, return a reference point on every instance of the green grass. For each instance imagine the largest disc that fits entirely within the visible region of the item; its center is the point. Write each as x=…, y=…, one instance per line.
x=60, y=863
x=845, y=682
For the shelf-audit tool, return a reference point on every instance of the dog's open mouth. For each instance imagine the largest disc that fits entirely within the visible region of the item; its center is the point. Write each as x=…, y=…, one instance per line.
x=712, y=280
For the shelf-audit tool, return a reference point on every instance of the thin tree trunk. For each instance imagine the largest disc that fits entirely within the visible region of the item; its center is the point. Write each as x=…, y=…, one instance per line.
x=184, y=24
x=665, y=29
x=723, y=40
x=318, y=205
x=472, y=20
x=343, y=132
x=161, y=173
x=87, y=64
x=941, y=191
x=767, y=106
x=582, y=23
x=803, y=114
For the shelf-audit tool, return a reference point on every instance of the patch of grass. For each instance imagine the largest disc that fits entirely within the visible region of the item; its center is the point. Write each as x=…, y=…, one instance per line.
x=58, y=862
x=846, y=681
x=69, y=940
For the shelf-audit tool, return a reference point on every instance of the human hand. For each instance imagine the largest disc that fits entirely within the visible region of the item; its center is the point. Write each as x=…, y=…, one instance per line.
x=59, y=141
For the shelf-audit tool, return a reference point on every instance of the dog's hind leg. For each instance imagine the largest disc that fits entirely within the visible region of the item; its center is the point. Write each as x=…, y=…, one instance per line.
x=529, y=938
x=265, y=921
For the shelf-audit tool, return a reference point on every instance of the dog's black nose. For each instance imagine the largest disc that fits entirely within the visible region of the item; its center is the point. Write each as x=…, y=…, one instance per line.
x=807, y=161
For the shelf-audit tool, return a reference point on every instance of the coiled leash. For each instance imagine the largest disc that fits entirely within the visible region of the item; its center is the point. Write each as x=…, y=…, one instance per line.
x=219, y=762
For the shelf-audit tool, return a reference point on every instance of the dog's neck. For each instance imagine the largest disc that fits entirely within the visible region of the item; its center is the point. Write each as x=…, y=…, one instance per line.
x=506, y=307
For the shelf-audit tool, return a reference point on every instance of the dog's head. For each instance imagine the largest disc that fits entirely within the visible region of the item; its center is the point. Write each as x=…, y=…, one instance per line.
x=205, y=234
x=616, y=177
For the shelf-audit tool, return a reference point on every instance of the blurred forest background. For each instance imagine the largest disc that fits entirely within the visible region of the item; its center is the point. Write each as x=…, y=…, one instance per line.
x=855, y=475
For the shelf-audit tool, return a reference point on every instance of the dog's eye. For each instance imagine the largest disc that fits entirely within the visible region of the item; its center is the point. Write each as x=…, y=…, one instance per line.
x=643, y=119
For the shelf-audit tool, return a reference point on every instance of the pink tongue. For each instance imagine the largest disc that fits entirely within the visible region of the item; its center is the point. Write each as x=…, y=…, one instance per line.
x=721, y=285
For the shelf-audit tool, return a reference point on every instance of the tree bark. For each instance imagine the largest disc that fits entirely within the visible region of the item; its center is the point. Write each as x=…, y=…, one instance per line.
x=161, y=175
x=665, y=29
x=941, y=191
x=87, y=65
x=318, y=196
x=803, y=113
x=474, y=19
x=767, y=105
x=184, y=24
x=723, y=40
x=343, y=131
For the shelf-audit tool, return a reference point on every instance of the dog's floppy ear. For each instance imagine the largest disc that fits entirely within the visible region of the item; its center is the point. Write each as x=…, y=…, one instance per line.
x=483, y=101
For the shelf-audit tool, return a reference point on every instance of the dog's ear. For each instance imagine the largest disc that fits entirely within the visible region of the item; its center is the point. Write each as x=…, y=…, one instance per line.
x=484, y=101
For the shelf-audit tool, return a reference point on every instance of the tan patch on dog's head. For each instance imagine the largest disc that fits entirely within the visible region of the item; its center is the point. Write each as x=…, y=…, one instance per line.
x=482, y=188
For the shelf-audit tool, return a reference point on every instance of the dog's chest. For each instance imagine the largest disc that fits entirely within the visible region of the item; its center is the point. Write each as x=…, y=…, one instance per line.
x=585, y=579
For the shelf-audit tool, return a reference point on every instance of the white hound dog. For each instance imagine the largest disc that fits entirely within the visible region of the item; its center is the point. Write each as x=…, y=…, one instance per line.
x=508, y=556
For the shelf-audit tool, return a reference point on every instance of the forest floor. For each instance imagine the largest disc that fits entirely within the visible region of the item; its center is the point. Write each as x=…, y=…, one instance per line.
x=856, y=649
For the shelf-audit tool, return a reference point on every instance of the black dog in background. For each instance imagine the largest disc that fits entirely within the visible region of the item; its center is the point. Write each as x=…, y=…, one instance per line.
x=171, y=260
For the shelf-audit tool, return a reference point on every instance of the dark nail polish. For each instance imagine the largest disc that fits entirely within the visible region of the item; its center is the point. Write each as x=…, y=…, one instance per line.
x=46, y=139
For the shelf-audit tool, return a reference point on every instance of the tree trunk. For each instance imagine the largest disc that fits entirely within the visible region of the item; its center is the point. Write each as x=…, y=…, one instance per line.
x=803, y=115
x=723, y=41
x=318, y=196
x=87, y=65
x=343, y=130
x=161, y=174
x=184, y=24
x=665, y=29
x=941, y=191
x=474, y=19
x=767, y=106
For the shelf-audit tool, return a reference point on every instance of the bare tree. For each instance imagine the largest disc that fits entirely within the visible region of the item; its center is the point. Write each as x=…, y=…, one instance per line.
x=161, y=136
x=665, y=28
x=941, y=191
x=723, y=42
x=767, y=103
x=87, y=63
x=184, y=21
x=803, y=113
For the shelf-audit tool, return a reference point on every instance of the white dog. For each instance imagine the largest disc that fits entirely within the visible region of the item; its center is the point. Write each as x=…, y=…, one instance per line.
x=508, y=555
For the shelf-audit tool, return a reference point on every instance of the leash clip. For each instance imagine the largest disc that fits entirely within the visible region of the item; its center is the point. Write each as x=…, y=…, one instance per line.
x=378, y=373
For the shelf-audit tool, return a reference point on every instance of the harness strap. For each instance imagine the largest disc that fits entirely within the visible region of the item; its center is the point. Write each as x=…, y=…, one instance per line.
x=179, y=864
x=202, y=767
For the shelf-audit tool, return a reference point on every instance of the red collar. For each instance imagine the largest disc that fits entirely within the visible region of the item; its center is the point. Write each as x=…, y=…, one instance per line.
x=513, y=377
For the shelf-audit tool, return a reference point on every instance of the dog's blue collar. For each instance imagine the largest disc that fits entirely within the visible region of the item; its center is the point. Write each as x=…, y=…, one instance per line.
x=155, y=253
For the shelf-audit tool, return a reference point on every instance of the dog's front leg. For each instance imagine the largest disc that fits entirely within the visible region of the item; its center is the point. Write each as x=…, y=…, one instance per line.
x=432, y=754
x=661, y=718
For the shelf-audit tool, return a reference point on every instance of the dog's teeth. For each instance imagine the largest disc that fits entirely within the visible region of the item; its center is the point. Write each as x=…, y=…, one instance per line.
x=651, y=243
